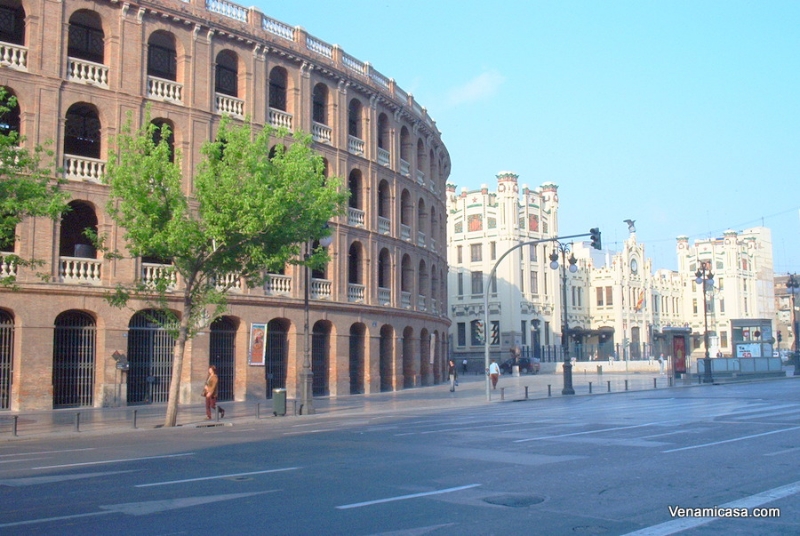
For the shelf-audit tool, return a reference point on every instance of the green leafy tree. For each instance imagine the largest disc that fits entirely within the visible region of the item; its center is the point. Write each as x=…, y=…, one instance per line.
x=248, y=213
x=28, y=186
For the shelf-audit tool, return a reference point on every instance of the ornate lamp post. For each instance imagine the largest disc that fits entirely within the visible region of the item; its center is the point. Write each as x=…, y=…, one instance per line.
x=793, y=286
x=535, y=336
x=306, y=374
x=572, y=262
x=704, y=277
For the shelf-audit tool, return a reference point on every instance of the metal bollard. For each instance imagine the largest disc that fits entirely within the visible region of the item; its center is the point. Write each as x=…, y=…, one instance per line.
x=502, y=393
x=626, y=385
x=14, y=426
x=135, y=416
x=670, y=381
x=78, y=422
x=549, y=393
x=590, y=387
x=609, y=386
x=258, y=410
x=526, y=392
x=655, y=384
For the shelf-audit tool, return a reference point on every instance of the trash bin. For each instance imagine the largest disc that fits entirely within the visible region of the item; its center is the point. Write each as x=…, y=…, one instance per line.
x=279, y=402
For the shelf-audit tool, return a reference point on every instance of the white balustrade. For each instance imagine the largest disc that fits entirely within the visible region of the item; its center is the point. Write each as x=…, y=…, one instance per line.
x=405, y=299
x=421, y=303
x=228, y=9
x=405, y=232
x=229, y=283
x=378, y=78
x=83, y=168
x=433, y=244
x=385, y=296
x=405, y=168
x=355, y=217
x=14, y=56
x=420, y=177
x=353, y=64
x=8, y=268
x=435, y=306
x=355, y=146
x=276, y=27
x=87, y=72
x=355, y=293
x=80, y=270
x=320, y=47
x=164, y=90
x=321, y=289
x=153, y=272
x=420, y=239
x=321, y=133
x=229, y=105
x=278, y=285
x=384, y=157
x=280, y=119
x=384, y=225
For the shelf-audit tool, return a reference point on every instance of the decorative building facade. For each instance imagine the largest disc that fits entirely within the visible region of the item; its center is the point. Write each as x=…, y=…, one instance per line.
x=377, y=312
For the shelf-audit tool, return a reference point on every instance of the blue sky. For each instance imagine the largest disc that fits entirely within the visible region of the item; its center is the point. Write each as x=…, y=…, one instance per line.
x=684, y=116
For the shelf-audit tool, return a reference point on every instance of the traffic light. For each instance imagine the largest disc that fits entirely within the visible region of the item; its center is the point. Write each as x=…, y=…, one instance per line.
x=595, y=237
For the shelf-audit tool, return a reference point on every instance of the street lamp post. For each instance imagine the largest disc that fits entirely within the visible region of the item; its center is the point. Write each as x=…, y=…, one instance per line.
x=793, y=286
x=307, y=374
x=704, y=277
x=567, y=365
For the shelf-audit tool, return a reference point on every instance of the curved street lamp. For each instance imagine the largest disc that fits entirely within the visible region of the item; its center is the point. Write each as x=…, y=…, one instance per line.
x=704, y=277
x=793, y=287
x=571, y=265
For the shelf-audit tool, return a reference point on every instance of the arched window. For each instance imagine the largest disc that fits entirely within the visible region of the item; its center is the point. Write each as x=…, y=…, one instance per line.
x=82, y=131
x=73, y=360
x=421, y=158
x=278, y=86
x=162, y=57
x=222, y=350
x=384, y=200
x=12, y=22
x=6, y=357
x=383, y=131
x=226, y=79
x=86, y=37
x=9, y=119
x=354, y=113
x=354, y=185
x=73, y=241
x=354, y=261
x=384, y=269
x=405, y=145
x=319, y=104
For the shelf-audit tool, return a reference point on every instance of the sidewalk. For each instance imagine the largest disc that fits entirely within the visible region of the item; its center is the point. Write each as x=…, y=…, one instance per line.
x=471, y=392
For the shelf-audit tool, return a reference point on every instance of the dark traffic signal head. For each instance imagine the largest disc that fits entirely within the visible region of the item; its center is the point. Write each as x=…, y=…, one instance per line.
x=595, y=237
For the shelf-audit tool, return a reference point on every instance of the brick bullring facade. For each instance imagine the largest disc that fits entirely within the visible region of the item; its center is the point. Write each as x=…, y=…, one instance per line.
x=77, y=68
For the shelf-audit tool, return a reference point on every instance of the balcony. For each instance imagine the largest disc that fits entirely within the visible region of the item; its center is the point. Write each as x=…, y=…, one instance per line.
x=355, y=146
x=76, y=270
x=405, y=232
x=384, y=157
x=14, y=56
x=153, y=273
x=420, y=178
x=164, y=90
x=278, y=285
x=229, y=283
x=87, y=72
x=8, y=268
x=321, y=289
x=405, y=299
x=385, y=296
x=355, y=293
x=405, y=168
x=280, y=119
x=384, y=225
x=421, y=239
x=83, y=168
x=225, y=104
x=421, y=305
x=321, y=133
x=355, y=217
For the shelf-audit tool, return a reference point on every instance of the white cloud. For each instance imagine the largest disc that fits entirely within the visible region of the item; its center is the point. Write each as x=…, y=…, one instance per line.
x=481, y=87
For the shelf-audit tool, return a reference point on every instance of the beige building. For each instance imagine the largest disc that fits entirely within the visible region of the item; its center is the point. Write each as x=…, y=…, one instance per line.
x=377, y=316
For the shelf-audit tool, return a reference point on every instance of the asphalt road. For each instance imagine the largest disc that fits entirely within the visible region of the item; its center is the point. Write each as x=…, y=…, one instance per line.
x=608, y=464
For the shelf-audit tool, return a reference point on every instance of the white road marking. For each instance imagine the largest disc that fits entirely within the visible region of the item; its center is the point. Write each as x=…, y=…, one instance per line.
x=733, y=440
x=215, y=477
x=35, y=480
x=585, y=433
x=405, y=497
x=35, y=453
x=681, y=524
x=115, y=461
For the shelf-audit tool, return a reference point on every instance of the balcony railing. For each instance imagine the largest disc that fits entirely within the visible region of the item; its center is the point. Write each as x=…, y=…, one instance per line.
x=420, y=239
x=420, y=178
x=280, y=119
x=232, y=106
x=153, y=272
x=87, y=72
x=278, y=285
x=405, y=232
x=355, y=293
x=83, y=168
x=355, y=217
x=164, y=90
x=355, y=146
x=405, y=299
x=405, y=168
x=7, y=267
x=321, y=133
x=385, y=296
x=421, y=306
x=321, y=289
x=14, y=56
x=384, y=157
x=80, y=270
x=229, y=282
x=435, y=306
x=384, y=225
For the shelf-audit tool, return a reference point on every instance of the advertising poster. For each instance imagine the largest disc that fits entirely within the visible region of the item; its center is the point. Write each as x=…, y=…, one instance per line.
x=258, y=346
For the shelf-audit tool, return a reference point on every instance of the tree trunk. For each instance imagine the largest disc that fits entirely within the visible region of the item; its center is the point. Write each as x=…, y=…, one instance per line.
x=177, y=368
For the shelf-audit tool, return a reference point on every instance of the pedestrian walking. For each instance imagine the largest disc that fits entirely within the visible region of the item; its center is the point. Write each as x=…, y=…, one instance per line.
x=210, y=393
x=451, y=371
x=494, y=373
x=464, y=366
x=661, y=363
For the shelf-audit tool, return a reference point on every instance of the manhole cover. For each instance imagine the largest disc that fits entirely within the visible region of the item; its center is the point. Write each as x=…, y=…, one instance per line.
x=514, y=501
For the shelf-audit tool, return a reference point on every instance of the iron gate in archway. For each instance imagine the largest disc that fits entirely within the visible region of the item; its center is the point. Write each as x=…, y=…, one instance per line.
x=150, y=348
x=277, y=356
x=73, y=360
x=6, y=348
x=221, y=348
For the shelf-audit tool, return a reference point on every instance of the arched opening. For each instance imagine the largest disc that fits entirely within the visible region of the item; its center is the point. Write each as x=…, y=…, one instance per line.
x=73, y=360
x=162, y=56
x=422, y=160
x=384, y=269
x=422, y=286
x=222, y=353
x=82, y=131
x=320, y=357
x=150, y=355
x=9, y=117
x=319, y=104
x=386, y=366
x=226, y=79
x=12, y=22
x=278, y=88
x=405, y=147
x=384, y=200
x=409, y=371
x=86, y=37
x=425, y=368
x=277, y=354
x=406, y=281
x=354, y=118
x=165, y=127
x=75, y=224
x=354, y=183
x=383, y=132
x=6, y=357
x=357, y=352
